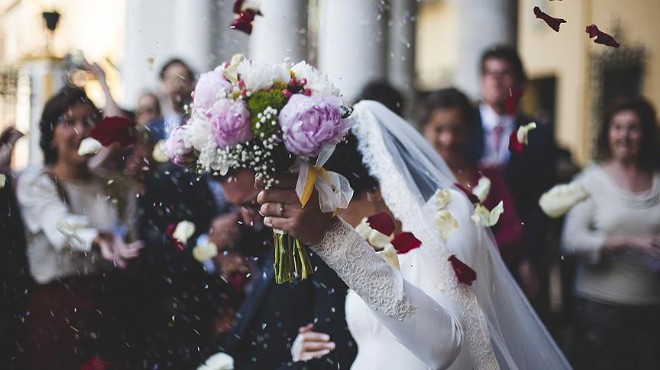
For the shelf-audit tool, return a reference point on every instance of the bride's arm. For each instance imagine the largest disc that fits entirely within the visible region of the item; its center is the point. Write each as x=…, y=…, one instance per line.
x=428, y=327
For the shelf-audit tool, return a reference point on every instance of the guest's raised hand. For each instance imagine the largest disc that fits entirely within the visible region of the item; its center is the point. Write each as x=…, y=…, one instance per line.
x=282, y=210
x=310, y=344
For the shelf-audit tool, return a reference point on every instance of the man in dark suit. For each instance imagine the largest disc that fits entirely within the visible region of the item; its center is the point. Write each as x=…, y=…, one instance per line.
x=528, y=175
x=271, y=314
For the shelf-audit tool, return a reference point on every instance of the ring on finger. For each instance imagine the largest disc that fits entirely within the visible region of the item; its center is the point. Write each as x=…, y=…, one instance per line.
x=280, y=209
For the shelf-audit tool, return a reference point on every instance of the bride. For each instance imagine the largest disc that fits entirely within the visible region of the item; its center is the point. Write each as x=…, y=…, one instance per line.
x=419, y=316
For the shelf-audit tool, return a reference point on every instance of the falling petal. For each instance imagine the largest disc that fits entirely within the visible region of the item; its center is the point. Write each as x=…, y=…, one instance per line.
x=553, y=22
x=464, y=273
x=601, y=37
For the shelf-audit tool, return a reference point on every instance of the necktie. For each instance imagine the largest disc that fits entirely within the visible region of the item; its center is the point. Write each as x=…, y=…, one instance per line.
x=496, y=139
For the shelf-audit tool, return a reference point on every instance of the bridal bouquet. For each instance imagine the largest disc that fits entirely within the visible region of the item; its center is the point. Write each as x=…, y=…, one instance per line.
x=270, y=119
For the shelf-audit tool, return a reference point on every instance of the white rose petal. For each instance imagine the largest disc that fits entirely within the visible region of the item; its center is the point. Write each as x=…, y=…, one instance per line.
x=523, y=132
x=261, y=76
x=159, y=154
x=183, y=231
x=3, y=180
x=482, y=189
x=204, y=252
x=88, y=146
x=483, y=217
x=389, y=255
x=363, y=228
x=561, y=198
x=378, y=239
x=442, y=199
x=230, y=72
x=219, y=361
x=446, y=224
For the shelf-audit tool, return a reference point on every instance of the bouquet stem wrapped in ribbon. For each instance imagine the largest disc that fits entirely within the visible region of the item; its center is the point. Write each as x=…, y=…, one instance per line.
x=268, y=119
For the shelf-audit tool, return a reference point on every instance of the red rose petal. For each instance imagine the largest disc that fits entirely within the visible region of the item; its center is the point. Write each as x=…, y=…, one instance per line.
x=553, y=22
x=381, y=222
x=515, y=146
x=473, y=198
x=512, y=101
x=169, y=230
x=464, y=273
x=114, y=130
x=405, y=242
x=244, y=21
x=601, y=37
x=94, y=364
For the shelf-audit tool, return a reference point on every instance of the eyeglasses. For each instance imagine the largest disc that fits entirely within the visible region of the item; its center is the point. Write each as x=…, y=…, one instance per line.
x=70, y=122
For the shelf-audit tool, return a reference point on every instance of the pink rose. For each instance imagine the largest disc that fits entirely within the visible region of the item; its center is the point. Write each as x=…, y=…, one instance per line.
x=211, y=86
x=310, y=124
x=176, y=149
x=230, y=123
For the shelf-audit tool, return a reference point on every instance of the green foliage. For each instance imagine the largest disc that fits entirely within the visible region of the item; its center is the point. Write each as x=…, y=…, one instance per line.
x=257, y=104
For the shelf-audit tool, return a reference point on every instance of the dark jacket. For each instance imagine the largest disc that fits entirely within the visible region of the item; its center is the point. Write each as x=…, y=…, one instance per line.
x=271, y=314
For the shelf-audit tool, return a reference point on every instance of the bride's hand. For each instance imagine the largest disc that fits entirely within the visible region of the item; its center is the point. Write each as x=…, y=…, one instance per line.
x=282, y=211
x=309, y=344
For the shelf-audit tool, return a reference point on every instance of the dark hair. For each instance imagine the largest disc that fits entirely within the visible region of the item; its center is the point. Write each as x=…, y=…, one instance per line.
x=385, y=93
x=54, y=109
x=347, y=161
x=647, y=117
x=448, y=98
x=173, y=61
x=508, y=54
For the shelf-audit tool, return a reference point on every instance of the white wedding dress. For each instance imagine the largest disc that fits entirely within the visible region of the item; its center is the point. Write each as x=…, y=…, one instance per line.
x=421, y=317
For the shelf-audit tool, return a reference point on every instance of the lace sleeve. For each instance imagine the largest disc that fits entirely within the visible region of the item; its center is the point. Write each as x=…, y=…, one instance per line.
x=428, y=327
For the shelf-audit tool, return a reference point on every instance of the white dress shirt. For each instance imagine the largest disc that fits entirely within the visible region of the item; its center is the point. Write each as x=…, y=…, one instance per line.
x=490, y=119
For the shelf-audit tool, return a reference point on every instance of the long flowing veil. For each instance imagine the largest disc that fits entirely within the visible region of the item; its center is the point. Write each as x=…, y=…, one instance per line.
x=498, y=318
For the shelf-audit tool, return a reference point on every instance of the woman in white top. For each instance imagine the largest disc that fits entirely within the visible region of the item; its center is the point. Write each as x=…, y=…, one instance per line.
x=72, y=236
x=616, y=235
x=421, y=316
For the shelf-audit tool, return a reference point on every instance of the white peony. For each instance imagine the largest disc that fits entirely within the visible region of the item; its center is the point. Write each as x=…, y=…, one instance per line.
x=198, y=133
x=483, y=217
x=317, y=82
x=219, y=361
x=261, y=76
x=89, y=146
x=183, y=231
x=561, y=198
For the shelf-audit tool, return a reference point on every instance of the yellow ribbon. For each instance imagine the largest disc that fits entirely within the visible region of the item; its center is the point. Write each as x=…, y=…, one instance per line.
x=310, y=180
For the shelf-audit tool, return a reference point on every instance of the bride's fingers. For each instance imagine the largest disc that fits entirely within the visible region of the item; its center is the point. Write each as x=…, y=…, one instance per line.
x=306, y=328
x=312, y=355
x=278, y=195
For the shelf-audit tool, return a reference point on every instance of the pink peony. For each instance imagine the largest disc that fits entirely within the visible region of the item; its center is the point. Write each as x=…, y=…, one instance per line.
x=210, y=87
x=230, y=123
x=176, y=148
x=310, y=124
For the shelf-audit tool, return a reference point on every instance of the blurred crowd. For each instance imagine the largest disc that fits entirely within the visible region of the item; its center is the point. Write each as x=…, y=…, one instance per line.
x=92, y=275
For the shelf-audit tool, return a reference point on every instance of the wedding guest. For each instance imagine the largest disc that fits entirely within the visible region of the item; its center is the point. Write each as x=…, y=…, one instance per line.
x=269, y=318
x=73, y=237
x=8, y=139
x=148, y=108
x=448, y=119
x=615, y=233
x=177, y=82
x=527, y=176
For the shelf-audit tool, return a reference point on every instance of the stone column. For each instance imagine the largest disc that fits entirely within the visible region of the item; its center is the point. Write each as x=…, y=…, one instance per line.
x=401, y=45
x=225, y=41
x=191, y=33
x=481, y=24
x=352, y=43
x=281, y=32
x=39, y=79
